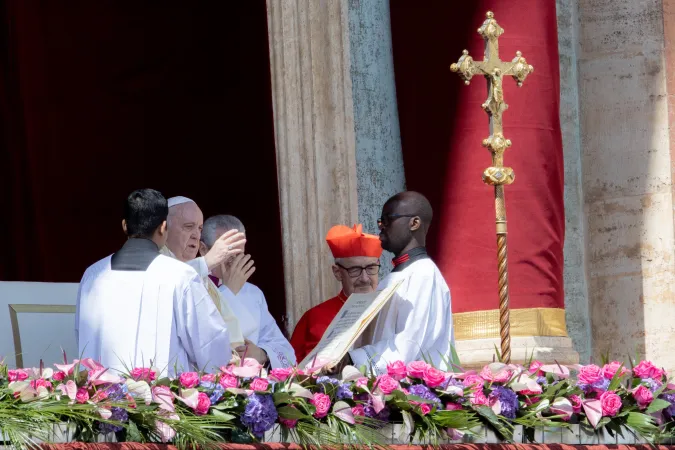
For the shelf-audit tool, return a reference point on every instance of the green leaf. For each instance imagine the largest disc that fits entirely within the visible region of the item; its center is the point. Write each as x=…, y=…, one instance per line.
x=288, y=412
x=282, y=397
x=223, y=416
x=616, y=380
x=494, y=420
x=657, y=405
x=641, y=422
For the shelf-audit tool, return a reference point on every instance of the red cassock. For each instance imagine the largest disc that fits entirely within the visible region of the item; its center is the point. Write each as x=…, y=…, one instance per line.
x=313, y=324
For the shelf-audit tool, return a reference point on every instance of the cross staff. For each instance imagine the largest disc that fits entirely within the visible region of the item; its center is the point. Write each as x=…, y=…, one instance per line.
x=494, y=69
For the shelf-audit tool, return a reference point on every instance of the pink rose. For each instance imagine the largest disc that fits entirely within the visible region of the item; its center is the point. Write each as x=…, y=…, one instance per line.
x=529, y=401
x=608, y=370
x=260, y=384
x=40, y=383
x=643, y=396
x=358, y=410
x=397, y=370
x=450, y=406
x=474, y=382
x=501, y=376
x=576, y=403
x=425, y=409
x=434, y=377
x=362, y=382
x=289, y=423
x=99, y=396
x=648, y=370
x=144, y=374
x=589, y=374
x=611, y=403
x=17, y=375
x=322, y=404
x=209, y=378
x=280, y=374
x=387, y=384
x=189, y=379
x=534, y=368
x=59, y=376
x=82, y=395
x=479, y=398
x=203, y=404
x=416, y=369
x=228, y=381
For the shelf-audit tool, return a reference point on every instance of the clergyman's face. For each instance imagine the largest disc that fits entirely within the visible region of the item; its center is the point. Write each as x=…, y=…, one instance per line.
x=363, y=282
x=185, y=228
x=395, y=229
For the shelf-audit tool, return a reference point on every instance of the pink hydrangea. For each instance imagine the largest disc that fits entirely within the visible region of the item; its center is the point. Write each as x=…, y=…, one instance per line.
x=434, y=377
x=141, y=373
x=203, y=404
x=362, y=382
x=590, y=374
x=280, y=374
x=40, y=383
x=387, y=384
x=648, y=370
x=643, y=396
x=611, y=403
x=358, y=410
x=189, y=379
x=322, y=404
x=479, y=398
x=608, y=370
x=416, y=369
x=397, y=370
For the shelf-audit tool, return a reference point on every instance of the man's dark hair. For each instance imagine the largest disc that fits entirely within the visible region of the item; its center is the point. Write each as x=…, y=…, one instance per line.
x=144, y=211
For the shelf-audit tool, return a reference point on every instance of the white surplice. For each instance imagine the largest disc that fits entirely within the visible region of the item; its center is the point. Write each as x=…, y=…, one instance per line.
x=416, y=322
x=126, y=319
x=258, y=325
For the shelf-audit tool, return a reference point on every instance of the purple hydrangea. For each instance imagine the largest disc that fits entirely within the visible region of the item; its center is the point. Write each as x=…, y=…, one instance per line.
x=382, y=416
x=542, y=381
x=669, y=411
x=599, y=386
x=508, y=399
x=260, y=414
x=117, y=414
x=452, y=382
x=208, y=385
x=217, y=394
x=324, y=380
x=344, y=392
x=652, y=384
x=424, y=392
x=117, y=392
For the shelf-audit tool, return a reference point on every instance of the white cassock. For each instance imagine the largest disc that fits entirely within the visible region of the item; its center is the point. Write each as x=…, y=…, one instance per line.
x=258, y=325
x=126, y=319
x=415, y=323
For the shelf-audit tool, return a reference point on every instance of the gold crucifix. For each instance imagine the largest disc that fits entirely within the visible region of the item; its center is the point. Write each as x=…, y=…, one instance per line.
x=494, y=70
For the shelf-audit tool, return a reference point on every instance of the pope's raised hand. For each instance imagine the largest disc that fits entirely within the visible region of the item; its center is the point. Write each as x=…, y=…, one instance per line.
x=229, y=244
x=236, y=275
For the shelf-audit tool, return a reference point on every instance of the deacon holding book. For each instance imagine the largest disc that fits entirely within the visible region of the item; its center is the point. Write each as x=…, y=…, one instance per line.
x=263, y=340
x=416, y=323
x=138, y=308
x=357, y=265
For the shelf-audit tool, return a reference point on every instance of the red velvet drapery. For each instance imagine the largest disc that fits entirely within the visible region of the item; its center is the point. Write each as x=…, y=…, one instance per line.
x=442, y=126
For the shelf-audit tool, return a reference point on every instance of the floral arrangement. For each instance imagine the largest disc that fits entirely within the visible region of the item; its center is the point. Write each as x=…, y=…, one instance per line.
x=243, y=402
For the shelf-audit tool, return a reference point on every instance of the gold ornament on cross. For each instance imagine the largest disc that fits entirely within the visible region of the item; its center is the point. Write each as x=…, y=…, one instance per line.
x=494, y=70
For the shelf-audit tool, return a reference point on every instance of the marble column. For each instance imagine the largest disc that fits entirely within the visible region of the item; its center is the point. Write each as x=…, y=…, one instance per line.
x=314, y=132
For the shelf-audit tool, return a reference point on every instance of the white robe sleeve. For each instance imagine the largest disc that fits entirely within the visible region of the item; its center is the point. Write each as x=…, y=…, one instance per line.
x=201, y=328
x=199, y=264
x=272, y=340
x=421, y=324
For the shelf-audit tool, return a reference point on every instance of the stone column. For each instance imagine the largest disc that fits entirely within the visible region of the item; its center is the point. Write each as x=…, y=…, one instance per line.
x=314, y=132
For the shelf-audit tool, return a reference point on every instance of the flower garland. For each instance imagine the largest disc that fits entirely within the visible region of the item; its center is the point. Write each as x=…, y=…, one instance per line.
x=244, y=402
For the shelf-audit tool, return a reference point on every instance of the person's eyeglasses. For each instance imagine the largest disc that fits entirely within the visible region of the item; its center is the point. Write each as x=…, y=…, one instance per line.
x=355, y=271
x=385, y=221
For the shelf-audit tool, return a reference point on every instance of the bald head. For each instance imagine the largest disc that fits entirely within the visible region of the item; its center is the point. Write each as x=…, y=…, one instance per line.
x=406, y=218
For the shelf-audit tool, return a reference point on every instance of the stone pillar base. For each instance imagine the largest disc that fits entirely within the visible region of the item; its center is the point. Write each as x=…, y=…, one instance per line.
x=478, y=352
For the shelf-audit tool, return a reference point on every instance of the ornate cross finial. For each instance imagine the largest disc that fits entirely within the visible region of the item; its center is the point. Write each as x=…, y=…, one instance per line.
x=494, y=70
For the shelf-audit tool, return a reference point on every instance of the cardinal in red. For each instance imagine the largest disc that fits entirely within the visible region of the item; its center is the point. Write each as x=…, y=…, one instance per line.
x=357, y=266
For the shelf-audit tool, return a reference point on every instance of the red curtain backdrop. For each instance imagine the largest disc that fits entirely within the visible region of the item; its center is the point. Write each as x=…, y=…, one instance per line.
x=442, y=127
x=100, y=98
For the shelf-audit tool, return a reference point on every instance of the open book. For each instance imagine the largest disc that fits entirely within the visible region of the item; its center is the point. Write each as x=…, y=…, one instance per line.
x=354, y=316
